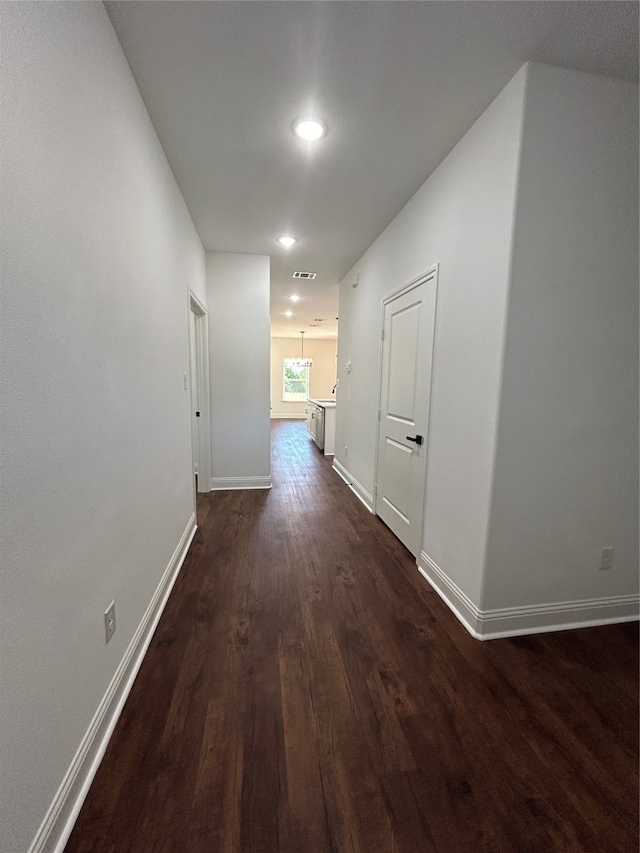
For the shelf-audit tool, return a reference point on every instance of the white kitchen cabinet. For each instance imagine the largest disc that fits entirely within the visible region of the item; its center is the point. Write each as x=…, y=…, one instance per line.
x=312, y=412
x=321, y=424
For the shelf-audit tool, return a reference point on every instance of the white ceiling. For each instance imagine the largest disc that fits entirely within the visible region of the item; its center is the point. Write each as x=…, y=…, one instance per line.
x=398, y=83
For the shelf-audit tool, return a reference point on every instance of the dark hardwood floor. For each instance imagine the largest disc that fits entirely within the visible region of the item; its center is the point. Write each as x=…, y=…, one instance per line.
x=306, y=691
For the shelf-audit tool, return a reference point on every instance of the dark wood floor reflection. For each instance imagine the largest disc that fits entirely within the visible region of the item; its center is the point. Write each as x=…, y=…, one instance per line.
x=306, y=691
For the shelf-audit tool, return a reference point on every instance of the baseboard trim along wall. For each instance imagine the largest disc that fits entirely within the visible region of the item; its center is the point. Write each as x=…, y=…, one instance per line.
x=223, y=484
x=359, y=490
x=56, y=827
x=534, y=619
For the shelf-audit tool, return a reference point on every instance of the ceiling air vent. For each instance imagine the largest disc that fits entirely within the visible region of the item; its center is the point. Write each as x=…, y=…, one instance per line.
x=307, y=275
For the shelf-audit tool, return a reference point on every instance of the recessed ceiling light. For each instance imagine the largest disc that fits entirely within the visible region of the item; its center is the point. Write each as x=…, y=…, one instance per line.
x=288, y=313
x=294, y=298
x=287, y=242
x=309, y=128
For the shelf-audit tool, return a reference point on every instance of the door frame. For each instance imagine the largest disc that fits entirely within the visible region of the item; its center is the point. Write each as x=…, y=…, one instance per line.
x=431, y=273
x=202, y=379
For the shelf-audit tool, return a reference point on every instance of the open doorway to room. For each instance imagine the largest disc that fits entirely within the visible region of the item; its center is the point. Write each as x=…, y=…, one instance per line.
x=303, y=385
x=304, y=346
x=299, y=372
x=199, y=390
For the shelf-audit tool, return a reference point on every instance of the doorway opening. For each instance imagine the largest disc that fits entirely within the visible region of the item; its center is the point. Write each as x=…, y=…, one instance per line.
x=199, y=391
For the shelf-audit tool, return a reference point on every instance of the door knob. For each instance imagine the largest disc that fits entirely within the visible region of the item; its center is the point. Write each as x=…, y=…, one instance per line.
x=416, y=438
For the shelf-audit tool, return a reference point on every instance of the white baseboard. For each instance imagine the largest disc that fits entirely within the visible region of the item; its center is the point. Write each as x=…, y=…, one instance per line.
x=528, y=619
x=358, y=489
x=288, y=417
x=62, y=814
x=452, y=595
x=223, y=484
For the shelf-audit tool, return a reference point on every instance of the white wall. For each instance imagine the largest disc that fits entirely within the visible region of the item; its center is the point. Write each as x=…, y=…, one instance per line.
x=97, y=252
x=322, y=377
x=567, y=464
x=462, y=218
x=533, y=443
x=238, y=302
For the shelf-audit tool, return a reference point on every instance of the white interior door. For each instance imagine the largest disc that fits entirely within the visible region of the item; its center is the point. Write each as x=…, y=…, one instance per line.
x=407, y=353
x=194, y=385
x=200, y=396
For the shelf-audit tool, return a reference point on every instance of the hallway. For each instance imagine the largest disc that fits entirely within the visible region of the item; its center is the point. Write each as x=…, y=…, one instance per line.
x=306, y=691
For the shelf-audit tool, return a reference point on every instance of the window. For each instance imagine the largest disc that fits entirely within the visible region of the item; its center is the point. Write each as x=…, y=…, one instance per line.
x=295, y=380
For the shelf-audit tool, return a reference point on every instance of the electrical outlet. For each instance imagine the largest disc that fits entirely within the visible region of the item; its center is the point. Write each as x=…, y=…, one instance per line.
x=110, y=621
x=606, y=560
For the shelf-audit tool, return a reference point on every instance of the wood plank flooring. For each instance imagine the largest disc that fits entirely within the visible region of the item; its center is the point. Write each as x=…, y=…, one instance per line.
x=306, y=691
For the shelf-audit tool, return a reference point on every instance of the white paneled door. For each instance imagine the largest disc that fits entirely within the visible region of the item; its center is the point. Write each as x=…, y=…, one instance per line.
x=407, y=353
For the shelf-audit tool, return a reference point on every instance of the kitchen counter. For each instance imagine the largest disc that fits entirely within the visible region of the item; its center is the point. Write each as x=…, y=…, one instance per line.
x=321, y=423
x=325, y=402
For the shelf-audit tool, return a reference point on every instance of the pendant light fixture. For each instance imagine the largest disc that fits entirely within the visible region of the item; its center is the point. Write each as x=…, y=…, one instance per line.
x=305, y=361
